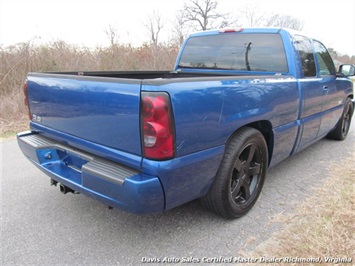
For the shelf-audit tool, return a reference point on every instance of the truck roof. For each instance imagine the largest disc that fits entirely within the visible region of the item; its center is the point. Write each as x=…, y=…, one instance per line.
x=245, y=30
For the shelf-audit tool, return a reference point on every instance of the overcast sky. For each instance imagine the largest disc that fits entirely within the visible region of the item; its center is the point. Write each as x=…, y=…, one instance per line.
x=84, y=22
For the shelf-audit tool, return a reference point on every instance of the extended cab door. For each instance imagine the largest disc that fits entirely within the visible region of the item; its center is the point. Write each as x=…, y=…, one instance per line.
x=311, y=91
x=332, y=95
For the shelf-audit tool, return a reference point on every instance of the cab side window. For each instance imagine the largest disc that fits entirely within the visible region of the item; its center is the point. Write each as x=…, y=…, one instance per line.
x=304, y=47
x=325, y=62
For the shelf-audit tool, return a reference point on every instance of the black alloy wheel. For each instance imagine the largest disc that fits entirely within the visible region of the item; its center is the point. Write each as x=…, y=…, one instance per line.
x=241, y=175
x=246, y=175
x=342, y=128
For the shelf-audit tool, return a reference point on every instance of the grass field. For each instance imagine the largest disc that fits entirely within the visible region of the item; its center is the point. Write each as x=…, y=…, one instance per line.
x=322, y=227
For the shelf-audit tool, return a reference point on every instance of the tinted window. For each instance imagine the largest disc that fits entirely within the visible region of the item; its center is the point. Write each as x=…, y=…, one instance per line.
x=304, y=47
x=251, y=52
x=325, y=62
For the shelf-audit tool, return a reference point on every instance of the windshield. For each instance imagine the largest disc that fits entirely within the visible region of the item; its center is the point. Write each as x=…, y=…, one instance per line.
x=248, y=52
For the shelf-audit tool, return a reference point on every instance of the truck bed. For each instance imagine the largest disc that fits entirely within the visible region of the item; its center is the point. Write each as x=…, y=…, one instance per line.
x=104, y=107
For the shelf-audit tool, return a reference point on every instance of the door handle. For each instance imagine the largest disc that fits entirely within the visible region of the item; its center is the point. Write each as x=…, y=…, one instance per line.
x=325, y=90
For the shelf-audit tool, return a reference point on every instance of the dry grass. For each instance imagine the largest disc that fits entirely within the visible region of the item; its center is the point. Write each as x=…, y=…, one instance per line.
x=13, y=114
x=324, y=225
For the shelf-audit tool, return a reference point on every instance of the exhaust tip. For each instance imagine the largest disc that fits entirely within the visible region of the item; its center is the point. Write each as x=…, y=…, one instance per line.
x=64, y=189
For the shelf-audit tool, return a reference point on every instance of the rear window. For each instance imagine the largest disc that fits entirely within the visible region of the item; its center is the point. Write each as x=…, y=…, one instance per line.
x=248, y=52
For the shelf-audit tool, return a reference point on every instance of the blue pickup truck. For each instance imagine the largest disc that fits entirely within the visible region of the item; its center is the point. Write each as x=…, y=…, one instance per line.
x=237, y=102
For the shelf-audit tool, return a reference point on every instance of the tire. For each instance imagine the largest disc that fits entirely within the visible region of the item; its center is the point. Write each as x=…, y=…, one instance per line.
x=241, y=175
x=342, y=127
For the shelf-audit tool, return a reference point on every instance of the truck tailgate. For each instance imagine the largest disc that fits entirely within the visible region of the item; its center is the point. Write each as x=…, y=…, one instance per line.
x=100, y=110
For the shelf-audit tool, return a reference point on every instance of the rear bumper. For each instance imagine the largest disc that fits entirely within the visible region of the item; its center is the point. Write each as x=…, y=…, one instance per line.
x=111, y=183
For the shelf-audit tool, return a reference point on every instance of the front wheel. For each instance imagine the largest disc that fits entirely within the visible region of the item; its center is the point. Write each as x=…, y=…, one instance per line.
x=342, y=128
x=241, y=175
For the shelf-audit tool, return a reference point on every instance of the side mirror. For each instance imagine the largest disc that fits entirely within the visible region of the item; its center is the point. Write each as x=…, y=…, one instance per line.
x=347, y=70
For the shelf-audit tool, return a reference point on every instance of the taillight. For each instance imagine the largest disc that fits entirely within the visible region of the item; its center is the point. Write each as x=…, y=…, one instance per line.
x=26, y=99
x=157, y=126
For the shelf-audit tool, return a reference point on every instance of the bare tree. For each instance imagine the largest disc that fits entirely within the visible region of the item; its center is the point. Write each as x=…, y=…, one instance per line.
x=112, y=34
x=204, y=15
x=179, y=27
x=252, y=16
x=154, y=24
x=285, y=21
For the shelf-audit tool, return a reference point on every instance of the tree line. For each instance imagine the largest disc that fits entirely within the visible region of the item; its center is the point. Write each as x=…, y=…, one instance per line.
x=202, y=15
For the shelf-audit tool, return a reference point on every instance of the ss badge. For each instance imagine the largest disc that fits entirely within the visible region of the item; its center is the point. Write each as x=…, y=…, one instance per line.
x=36, y=118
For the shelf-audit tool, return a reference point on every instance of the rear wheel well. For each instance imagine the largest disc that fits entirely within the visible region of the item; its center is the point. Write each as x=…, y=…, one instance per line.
x=265, y=128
